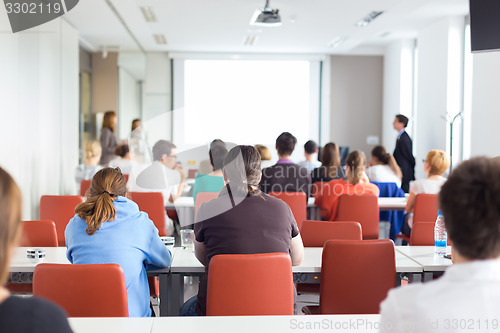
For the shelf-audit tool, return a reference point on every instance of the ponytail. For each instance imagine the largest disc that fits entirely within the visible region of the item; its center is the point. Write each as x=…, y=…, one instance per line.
x=356, y=162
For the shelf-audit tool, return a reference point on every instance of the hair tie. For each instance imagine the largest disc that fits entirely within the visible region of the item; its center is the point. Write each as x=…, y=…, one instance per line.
x=107, y=193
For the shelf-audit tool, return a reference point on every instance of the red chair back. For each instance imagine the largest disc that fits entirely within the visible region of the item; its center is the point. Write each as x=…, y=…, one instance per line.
x=152, y=204
x=192, y=173
x=356, y=276
x=60, y=209
x=363, y=209
x=97, y=290
x=250, y=284
x=297, y=202
x=38, y=234
x=422, y=234
x=426, y=208
x=202, y=197
x=84, y=186
x=316, y=233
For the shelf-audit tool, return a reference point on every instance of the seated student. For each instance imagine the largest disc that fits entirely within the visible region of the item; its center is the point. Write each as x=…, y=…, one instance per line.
x=205, y=167
x=122, y=160
x=311, y=155
x=469, y=290
x=330, y=165
x=23, y=315
x=213, y=182
x=285, y=176
x=383, y=167
x=357, y=183
x=242, y=220
x=436, y=163
x=265, y=156
x=109, y=228
x=92, y=155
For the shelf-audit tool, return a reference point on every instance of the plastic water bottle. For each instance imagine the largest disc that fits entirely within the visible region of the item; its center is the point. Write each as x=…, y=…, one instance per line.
x=440, y=235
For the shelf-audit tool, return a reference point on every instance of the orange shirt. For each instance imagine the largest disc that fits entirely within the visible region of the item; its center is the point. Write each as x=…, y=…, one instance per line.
x=328, y=195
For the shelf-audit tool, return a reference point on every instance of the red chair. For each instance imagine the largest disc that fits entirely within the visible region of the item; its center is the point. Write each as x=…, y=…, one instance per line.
x=192, y=173
x=152, y=203
x=355, y=276
x=297, y=202
x=426, y=208
x=60, y=209
x=84, y=186
x=203, y=197
x=316, y=233
x=250, y=284
x=36, y=234
x=422, y=234
x=97, y=290
x=363, y=209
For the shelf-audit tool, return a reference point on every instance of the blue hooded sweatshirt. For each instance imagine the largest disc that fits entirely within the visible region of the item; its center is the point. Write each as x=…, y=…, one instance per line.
x=131, y=241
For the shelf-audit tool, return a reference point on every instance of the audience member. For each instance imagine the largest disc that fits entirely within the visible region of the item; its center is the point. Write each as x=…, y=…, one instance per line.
x=123, y=160
x=108, y=137
x=242, y=220
x=137, y=143
x=357, y=183
x=311, y=155
x=466, y=297
x=212, y=182
x=91, y=155
x=435, y=164
x=403, y=153
x=330, y=165
x=21, y=314
x=109, y=228
x=265, y=156
x=285, y=176
x=383, y=167
x=205, y=166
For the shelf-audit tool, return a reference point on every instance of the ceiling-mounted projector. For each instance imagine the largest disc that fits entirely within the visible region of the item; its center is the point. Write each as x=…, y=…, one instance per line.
x=267, y=17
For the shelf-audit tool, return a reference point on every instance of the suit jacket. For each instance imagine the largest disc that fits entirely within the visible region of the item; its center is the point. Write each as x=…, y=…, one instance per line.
x=403, y=153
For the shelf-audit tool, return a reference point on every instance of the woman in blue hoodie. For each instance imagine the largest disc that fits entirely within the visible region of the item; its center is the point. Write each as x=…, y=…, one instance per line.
x=109, y=228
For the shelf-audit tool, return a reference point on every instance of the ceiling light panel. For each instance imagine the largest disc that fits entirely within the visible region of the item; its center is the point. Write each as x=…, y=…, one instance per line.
x=148, y=13
x=368, y=18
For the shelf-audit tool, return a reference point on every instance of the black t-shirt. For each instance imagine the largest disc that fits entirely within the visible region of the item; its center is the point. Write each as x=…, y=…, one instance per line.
x=286, y=177
x=32, y=315
x=254, y=224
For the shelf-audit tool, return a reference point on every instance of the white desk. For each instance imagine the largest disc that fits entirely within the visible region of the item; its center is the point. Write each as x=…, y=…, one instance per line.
x=243, y=324
x=425, y=257
x=20, y=263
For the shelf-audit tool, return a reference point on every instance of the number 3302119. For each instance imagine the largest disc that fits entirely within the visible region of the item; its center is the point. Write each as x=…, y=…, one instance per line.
x=32, y=8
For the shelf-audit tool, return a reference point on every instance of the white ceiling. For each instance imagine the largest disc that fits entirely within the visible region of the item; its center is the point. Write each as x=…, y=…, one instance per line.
x=222, y=25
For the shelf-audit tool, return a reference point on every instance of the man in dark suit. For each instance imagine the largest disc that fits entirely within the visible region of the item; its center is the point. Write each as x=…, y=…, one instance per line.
x=403, y=153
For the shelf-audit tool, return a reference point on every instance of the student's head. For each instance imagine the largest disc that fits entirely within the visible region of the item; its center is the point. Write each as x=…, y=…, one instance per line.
x=92, y=151
x=310, y=147
x=436, y=163
x=135, y=124
x=400, y=122
x=242, y=169
x=165, y=152
x=107, y=184
x=285, y=144
x=122, y=150
x=217, y=142
x=10, y=217
x=217, y=154
x=330, y=155
x=355, y=164
x=379, y=155
x=470, y=202
x=109, y=120
x=265, y=153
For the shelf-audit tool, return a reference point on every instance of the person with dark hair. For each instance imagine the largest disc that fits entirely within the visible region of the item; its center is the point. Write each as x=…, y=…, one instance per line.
x=383, y=167
x=469, y=290
x=242, y=220
x=109, y=140
x=122, y=160
x=21, y=314
x=327, y=198
x=403, y=153
x=109, y=228
x=311, y=155
x=330, y=168
x=205, y=166
x=212, y=182
x=285, y=176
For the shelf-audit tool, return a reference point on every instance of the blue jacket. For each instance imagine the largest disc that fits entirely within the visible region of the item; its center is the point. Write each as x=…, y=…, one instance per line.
x=131, y=241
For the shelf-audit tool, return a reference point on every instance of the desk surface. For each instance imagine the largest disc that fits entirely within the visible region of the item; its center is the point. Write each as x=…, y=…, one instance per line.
x=250, y=324
x=53, y=255
x=425, y=257
x=184, y=261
